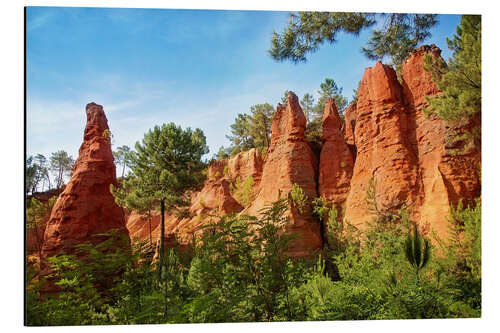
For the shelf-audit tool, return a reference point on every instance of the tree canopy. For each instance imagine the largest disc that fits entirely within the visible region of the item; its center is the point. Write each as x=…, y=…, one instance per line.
x=460, y=80
x=251, y=130
x=164, y=166
x=61, y=164
x=121, y=157
x=393, y=35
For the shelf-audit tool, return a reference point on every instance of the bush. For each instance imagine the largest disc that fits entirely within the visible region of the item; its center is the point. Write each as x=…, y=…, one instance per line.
x=299, y=198
x=243, y=191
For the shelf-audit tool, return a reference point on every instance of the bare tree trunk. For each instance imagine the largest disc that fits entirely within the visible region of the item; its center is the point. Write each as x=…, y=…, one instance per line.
x=150, y=231
x=162, y=238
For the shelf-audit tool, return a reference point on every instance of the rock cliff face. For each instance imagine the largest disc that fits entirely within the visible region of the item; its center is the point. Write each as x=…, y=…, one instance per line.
x=385, y=140
x=336, y=161
x=384, y=154
x=215, y=198
x=445, y=175
x=406, y=153
x=86, y=207
x=289, y=161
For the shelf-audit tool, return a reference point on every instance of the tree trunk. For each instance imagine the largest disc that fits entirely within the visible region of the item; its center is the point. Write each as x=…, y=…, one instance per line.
x=150, y=232
x=162, y=237
x=123, y=170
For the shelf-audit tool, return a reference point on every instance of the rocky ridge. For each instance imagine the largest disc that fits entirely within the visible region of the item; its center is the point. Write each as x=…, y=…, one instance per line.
x=385, y=140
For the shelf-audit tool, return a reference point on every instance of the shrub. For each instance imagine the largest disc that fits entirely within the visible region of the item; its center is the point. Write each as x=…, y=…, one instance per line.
x=243, y=191
x=299, y=198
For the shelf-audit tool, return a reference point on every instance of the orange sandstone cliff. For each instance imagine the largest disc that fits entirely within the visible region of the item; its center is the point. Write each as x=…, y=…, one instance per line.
x=407, y=154
x=385, y=138
x=290, y=160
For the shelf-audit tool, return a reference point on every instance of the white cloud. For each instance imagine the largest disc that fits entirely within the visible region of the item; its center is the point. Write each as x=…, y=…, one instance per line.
x=39, y=21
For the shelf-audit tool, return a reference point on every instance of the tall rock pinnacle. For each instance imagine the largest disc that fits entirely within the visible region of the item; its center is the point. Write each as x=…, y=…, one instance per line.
x=384, y=153
x=336, y=161
x=289, y=161
x=86, y=207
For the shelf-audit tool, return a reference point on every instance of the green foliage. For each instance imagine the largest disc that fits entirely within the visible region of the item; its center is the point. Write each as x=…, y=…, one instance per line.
x=241, y=137
x=460, y=81
x=395, y=35
x=284, y=98
x=461, y=263
x=329, y=89
x=37, y=213
x=107, y=135
x=320, y=298
x=355, y=93
x=168, y=162
x=223, y=153
x=314, y=113
x=121, y=156
x=61, y=164
x=252, y=130
x=164, y=166
x=243, y=191
x=417, y=253
x=400, y=34
x=299, y=198
x=466, y=231
x=37, y=172
x=134, y=200
x=239, y=270
x=30, y=171
x=307, y=104
x=85, y=285
x=320, y=207
x=225, y=172
x=260, y=124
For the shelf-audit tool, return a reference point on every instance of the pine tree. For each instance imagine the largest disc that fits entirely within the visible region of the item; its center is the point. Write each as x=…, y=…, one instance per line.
x=260, y=124
x=460, y=81
x=241, y=138
x=329, y=89
x=395, y=35
x=61, y=164
x=121, y=157
x=164, y=166
x=307, y=104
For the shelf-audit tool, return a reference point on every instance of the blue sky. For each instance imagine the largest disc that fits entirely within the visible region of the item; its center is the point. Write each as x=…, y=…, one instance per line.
x=152, y=66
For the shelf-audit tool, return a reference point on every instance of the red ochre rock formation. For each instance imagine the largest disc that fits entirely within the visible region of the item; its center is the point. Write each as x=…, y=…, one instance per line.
x=404, y=151
x=214, y=199
x=246, y=164
x=385, y=138
x=289, y=161
x=86, y=207
x=336, y=161
x=445, y=175
x=384, y=154
x=138, y=225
